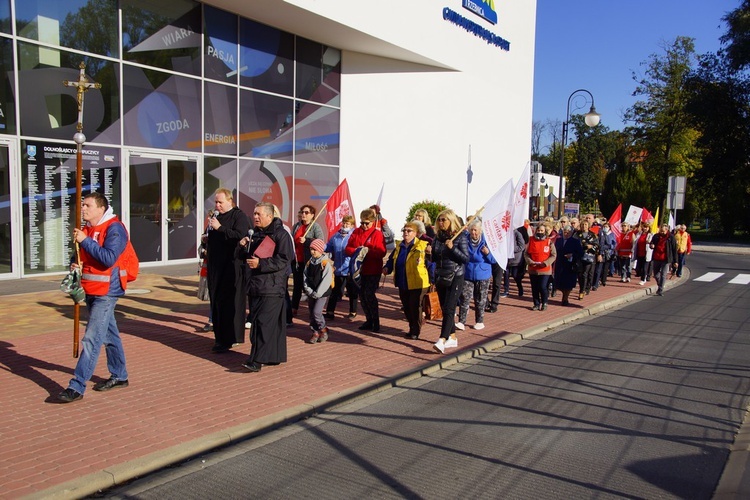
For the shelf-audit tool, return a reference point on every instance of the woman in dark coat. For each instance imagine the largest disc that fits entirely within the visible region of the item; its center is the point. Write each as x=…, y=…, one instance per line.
x=569, y=252
x=226, y=271
x=450, y=253
x=590, y=244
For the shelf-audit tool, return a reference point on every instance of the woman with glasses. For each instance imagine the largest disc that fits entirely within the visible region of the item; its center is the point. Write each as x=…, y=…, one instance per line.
x=408, y=261
x=367, y=235
x=302, y=239
x=477, y=277
x=450, y=253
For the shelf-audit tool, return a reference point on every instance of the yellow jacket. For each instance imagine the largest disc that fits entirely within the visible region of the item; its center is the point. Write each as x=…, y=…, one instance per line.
x=416, y=268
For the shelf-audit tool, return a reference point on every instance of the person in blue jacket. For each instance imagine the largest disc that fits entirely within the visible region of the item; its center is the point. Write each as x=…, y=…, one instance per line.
x=335, y=247
x=477, y=276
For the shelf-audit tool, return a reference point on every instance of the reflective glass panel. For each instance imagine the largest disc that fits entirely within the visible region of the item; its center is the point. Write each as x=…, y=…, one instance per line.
x=317, y=134
x=221, y=56
x=220, y=132
x=218, y=173
x=7, y=99
x=313, y=185
x=164, y=34
x=5, y=21
x=145, y=208
x=162, y=110
x=318, y=72
x=49, y=109
x=265, y=125
x=48, y=191
x=266, y=180
x=266, y=58
x=6, y=233
x=181, y=190
x=90, y=26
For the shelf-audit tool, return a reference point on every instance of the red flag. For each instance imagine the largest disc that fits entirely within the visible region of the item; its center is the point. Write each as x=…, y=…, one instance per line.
x=646, y=216
x=337, y=206
x=615, y=222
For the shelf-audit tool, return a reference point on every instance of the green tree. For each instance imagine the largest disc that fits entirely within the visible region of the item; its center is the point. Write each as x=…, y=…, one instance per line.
x=720, y=108
x=662, y=129
x=737, y=37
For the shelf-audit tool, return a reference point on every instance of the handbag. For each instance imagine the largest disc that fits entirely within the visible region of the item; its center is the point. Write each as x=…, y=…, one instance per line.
x=444, y=277
x=431, y=305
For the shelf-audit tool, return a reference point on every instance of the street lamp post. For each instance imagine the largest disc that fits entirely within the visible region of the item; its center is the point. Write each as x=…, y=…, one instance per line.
x=592, y=120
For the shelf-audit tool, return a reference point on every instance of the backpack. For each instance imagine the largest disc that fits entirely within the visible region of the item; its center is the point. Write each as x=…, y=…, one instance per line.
x=355, y=265
x=129, y=259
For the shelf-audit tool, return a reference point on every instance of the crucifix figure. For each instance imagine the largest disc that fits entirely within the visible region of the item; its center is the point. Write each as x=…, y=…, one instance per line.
x=83, y=84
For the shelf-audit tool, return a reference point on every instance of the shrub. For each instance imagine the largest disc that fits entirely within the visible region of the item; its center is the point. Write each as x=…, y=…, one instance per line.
x=433, y=208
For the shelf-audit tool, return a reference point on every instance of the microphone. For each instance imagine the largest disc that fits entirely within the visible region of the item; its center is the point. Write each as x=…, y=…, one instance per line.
x=250, y=233
x=212, y=214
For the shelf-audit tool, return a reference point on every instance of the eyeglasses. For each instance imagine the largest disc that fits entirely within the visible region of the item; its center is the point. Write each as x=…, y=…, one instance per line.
x=366, y=223
x=305, y=212
x=442, y=219
x=407, y=230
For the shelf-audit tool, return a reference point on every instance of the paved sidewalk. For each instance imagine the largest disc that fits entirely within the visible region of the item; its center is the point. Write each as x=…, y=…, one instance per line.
x=183, y=400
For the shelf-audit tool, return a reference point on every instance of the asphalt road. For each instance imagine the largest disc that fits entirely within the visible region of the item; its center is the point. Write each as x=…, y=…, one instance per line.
x=643, y=402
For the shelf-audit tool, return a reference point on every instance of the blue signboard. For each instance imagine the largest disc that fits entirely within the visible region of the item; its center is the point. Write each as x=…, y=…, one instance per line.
x=483, y=8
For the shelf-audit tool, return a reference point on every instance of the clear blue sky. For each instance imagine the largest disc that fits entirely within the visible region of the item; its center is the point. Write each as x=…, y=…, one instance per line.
x=597, y=44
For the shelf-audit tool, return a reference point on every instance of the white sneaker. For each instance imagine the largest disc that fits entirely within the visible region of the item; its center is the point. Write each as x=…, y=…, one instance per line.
x=622, y=280
x=642, y=283
x=248, y=325
x=452, y=341
x=628, y=280
x=439, y=346
x=460, y=326
x=479, y=326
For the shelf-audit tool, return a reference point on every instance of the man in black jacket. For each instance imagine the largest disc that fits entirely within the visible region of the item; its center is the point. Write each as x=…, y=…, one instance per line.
x=268, y=255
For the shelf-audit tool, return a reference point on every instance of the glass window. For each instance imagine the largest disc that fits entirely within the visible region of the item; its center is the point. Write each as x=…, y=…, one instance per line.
x=164, y=34
x=266, y=180
x=221, y=56
x=7, y=227
x=220, y=130
x=266, y=58
x=7, y=99
x=265, y=125
x=218, y=173
x=76, y=24
x=162, y=110
x=313, y=185
x=5, y=21
x=48, y=188
x=317, y=134
x=318, y=72
x=50, y=109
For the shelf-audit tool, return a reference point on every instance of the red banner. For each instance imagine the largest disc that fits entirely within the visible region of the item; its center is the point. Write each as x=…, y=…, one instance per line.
x=615, y=222
x=338, y=206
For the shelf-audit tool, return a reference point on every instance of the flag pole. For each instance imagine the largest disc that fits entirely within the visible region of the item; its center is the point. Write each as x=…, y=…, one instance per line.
x=309, y=226
x=82, y=85
x=476, y=214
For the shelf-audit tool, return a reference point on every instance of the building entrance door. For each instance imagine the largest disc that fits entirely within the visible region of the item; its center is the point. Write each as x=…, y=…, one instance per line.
x=9, y=241
x=162, y=192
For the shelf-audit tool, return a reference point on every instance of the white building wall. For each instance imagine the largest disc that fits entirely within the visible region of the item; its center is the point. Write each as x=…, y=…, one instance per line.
x=416, y=91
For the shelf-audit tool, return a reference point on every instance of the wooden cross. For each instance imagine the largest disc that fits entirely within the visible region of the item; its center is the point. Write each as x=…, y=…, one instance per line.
x=83, y=84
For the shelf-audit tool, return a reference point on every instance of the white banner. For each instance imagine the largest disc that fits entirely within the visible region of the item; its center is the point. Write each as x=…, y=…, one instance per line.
x=634, y=215
x=497, y=223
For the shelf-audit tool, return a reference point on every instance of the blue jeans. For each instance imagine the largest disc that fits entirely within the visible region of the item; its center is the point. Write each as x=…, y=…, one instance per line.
x=101, y=329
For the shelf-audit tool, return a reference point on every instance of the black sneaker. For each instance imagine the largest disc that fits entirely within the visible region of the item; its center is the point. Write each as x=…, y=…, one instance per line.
x=69, y=395
x=110, y=384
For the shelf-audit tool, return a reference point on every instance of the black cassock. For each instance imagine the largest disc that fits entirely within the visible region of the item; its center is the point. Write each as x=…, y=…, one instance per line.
x=226, y=285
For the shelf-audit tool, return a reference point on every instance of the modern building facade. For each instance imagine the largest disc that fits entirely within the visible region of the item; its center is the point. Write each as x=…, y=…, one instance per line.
x=277, y=100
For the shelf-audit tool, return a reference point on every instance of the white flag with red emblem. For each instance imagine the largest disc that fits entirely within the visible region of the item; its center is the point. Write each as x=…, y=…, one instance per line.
x=521, y=199
x=497, y=223
x=338, y=206
x=634, y=215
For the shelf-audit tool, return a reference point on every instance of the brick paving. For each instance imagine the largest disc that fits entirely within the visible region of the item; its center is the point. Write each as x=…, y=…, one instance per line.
x=183, y=397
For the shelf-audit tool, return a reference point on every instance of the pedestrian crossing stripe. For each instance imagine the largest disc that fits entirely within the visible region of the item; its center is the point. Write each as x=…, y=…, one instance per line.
x=740, y=279
x=709, y=277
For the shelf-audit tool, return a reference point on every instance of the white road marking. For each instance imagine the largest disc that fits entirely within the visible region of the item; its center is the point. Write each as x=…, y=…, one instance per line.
x=709, y=277
x=741, y=279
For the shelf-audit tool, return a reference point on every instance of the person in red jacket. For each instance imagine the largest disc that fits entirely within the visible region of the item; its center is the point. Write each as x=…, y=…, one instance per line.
x=625, y=252
x=102, y=241
x=539, y=255
x=369, y=236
